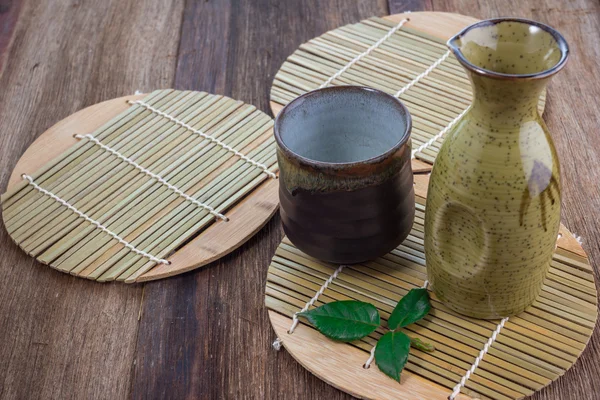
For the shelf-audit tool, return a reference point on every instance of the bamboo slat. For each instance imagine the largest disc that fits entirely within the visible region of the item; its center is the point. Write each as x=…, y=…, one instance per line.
x=144, y=212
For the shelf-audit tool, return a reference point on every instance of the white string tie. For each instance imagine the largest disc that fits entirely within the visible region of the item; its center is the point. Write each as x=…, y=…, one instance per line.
x=94, y=222
x=153, y=176
x=439, y=135
x=365, y=53
x=431, y=141
x=205, y=136
x=372, y=356
x=482, y=353
x=577, y=238
x=423, y=74
x=405, y=88
x=557, y=239
x=315, y=297
x=277, y=343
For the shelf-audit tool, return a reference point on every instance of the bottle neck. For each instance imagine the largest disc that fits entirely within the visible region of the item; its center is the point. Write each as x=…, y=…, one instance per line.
x=503, y=102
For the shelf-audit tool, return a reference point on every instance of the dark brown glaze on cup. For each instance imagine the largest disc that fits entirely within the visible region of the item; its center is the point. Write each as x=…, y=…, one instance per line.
x=347, y=212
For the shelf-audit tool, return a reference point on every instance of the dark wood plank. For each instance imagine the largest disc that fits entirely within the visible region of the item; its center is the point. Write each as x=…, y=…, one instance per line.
x=400, y=6
x=572, y=117
x=9, y=12
x=204, y=46
x=206, y=334
x=64, y=337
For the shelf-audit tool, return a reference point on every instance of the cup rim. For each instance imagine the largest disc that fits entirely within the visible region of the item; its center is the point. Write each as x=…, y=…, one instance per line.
x=560, y=40
x=343, y=165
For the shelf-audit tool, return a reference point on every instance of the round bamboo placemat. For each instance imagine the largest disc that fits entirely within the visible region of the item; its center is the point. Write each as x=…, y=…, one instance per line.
x=434, y=99
x=532, y=349
x=147, y=178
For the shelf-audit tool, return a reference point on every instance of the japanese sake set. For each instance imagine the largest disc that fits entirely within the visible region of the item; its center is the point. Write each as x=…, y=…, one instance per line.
x=149, y=186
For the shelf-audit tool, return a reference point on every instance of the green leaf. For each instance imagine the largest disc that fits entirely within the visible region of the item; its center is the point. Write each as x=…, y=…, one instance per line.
x=411, y=308
x=391, y=353
x=421, y=345
x=344, y=320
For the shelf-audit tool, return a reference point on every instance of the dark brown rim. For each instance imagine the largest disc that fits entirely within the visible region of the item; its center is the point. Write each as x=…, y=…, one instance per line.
x=560, y=40
x=373, y=160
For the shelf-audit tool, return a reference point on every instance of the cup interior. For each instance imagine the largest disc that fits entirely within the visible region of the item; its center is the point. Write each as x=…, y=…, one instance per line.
x=343, y=124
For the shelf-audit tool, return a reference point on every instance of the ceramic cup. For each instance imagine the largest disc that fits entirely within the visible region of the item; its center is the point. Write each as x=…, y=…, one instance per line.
x=346, y=184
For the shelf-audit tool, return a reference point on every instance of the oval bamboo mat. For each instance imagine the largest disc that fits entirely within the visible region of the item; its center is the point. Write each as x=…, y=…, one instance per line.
x=165, y=220
x=533, y=349
x=433, y=100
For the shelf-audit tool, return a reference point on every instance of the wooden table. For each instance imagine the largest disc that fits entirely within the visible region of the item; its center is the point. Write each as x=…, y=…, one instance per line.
x=206, y=334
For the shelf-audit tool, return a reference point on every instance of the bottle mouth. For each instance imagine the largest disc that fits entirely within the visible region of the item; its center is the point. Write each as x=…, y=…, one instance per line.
x=510, y=48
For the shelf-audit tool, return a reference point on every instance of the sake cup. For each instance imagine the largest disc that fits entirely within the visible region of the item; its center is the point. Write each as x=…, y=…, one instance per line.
x=346, y=184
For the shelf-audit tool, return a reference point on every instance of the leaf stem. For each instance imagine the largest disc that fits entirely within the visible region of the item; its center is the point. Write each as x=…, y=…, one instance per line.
x=421, y=345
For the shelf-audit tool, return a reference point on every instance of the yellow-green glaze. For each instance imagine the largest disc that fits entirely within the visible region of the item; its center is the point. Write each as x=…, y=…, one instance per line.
x=493, y=204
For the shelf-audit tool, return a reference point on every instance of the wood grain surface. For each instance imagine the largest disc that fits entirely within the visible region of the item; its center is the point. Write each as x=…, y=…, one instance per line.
x=206, y=334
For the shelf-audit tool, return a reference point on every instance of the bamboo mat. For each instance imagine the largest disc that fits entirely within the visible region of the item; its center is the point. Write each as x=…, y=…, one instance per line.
x=155, y=218
x=434, y=101
x=533, y=349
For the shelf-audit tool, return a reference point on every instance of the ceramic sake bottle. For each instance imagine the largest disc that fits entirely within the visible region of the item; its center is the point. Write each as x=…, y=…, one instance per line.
x=493, y=204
